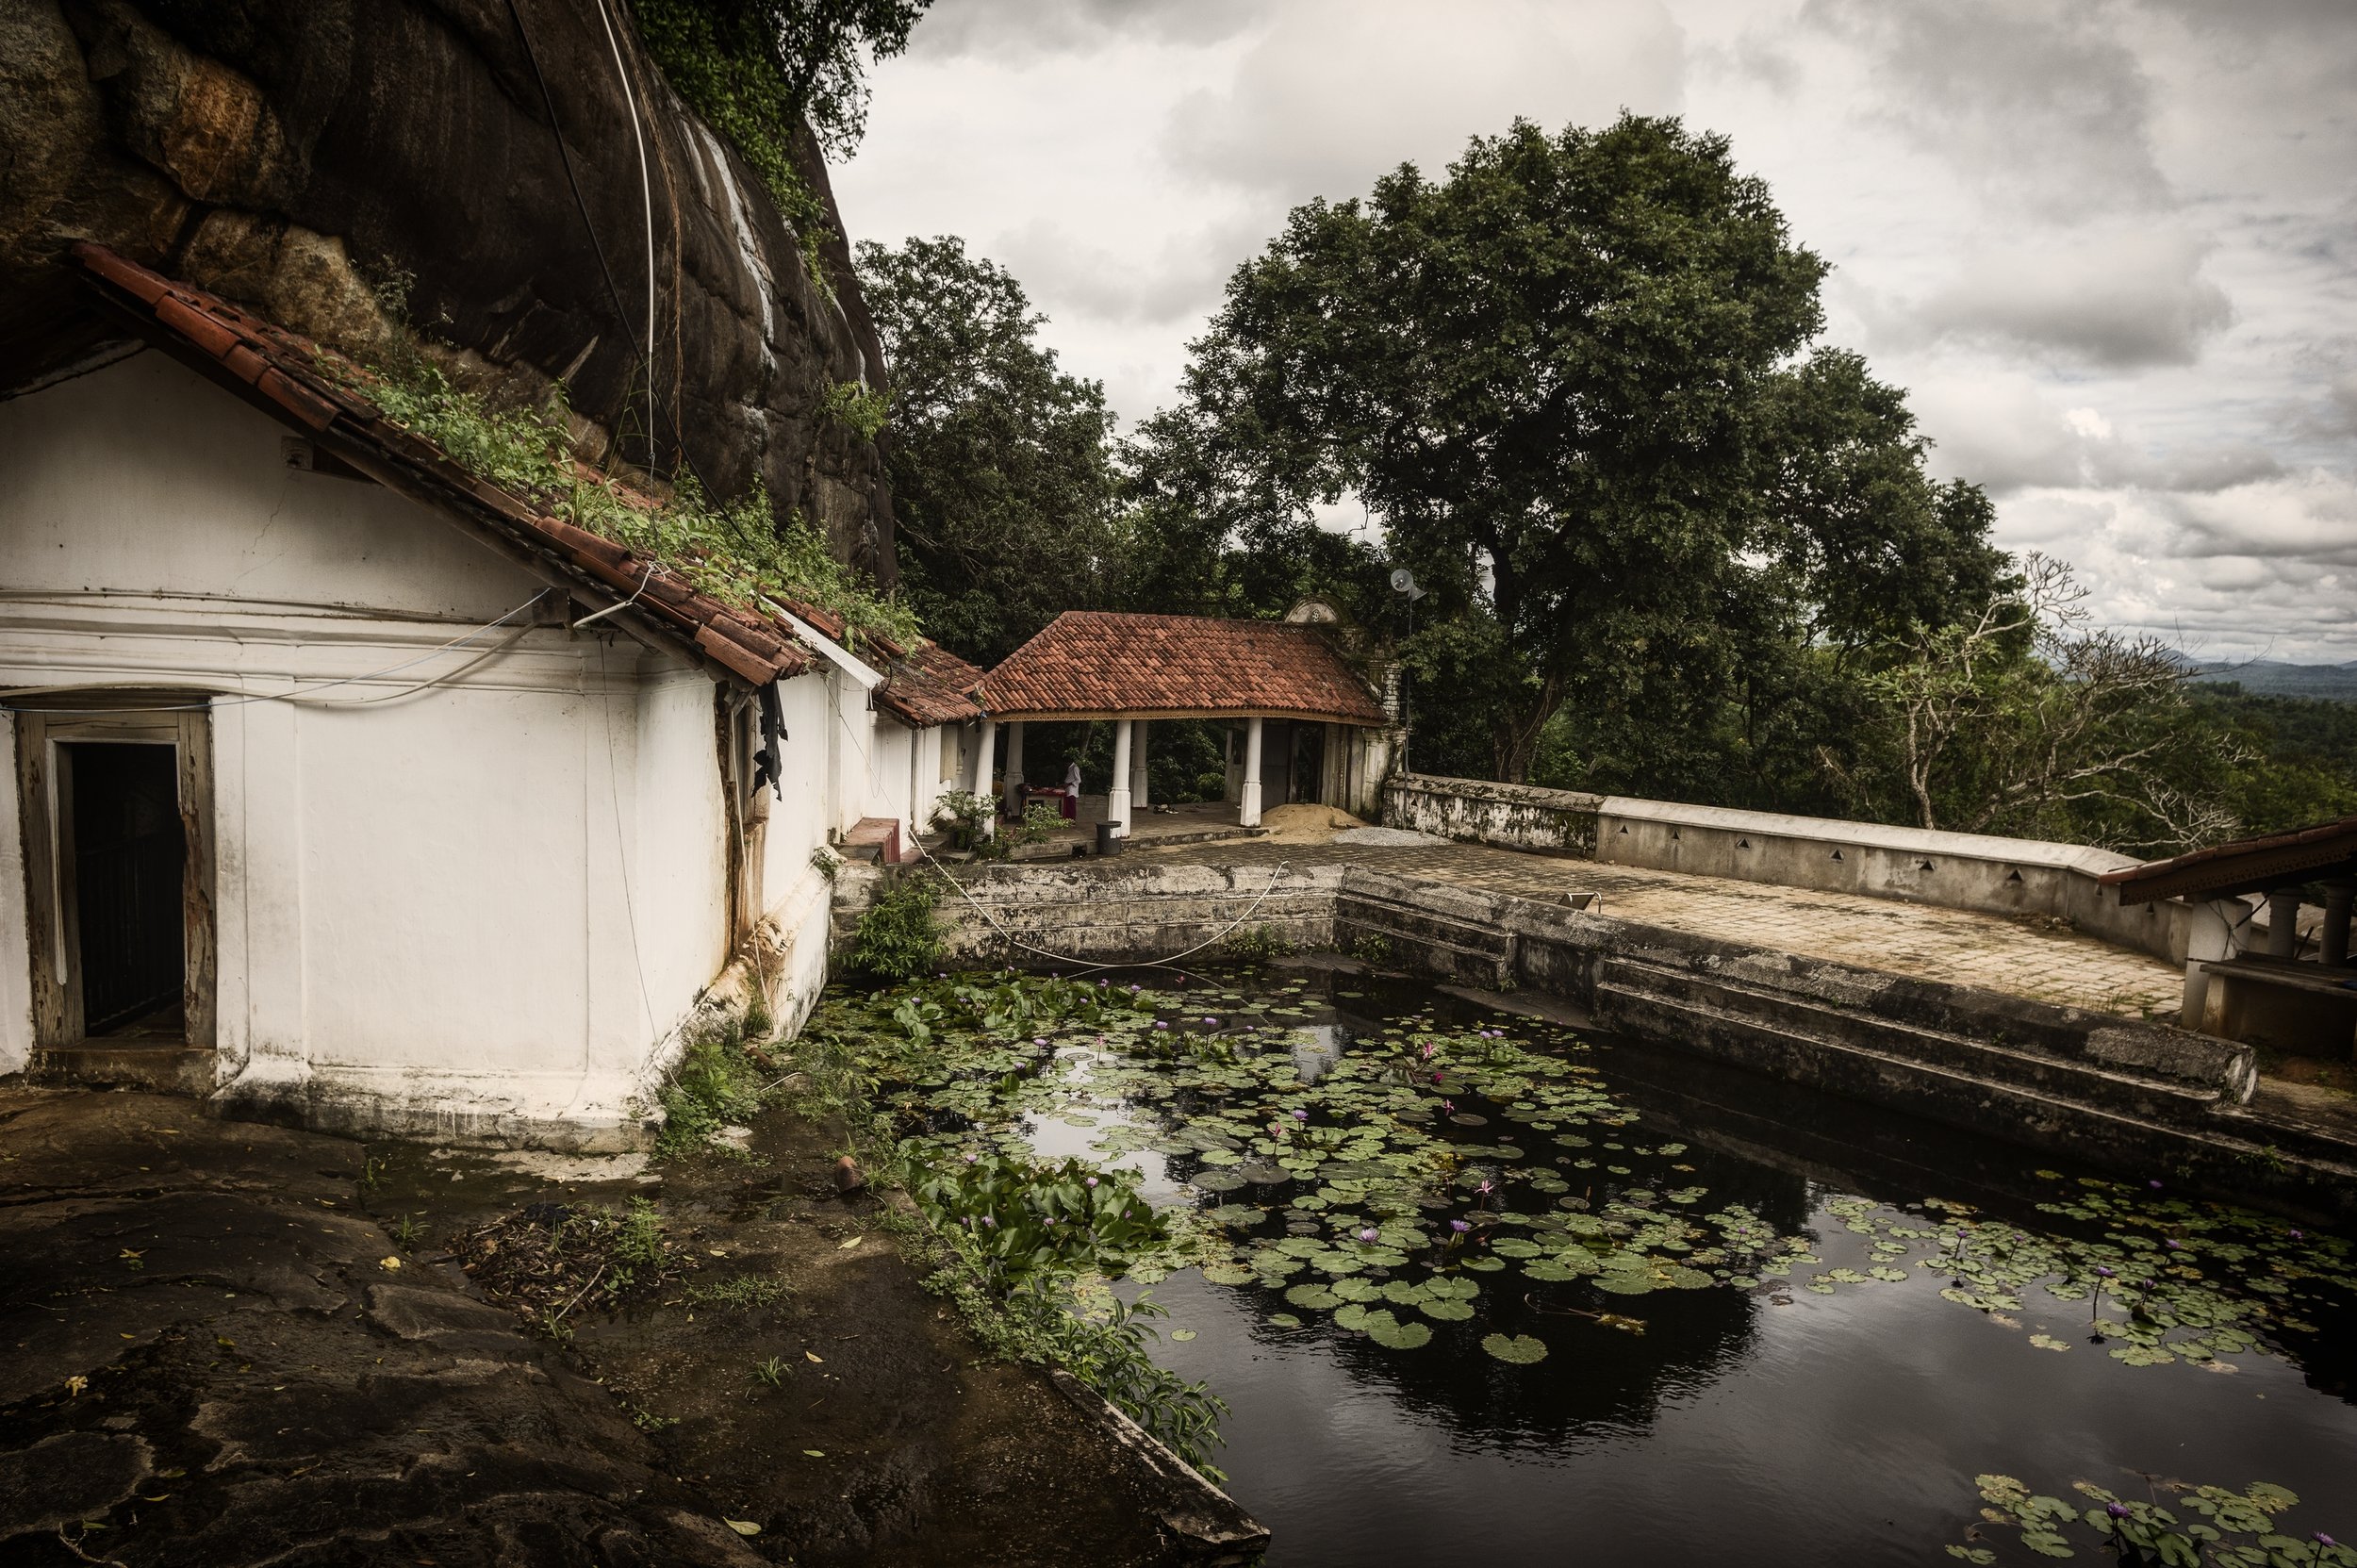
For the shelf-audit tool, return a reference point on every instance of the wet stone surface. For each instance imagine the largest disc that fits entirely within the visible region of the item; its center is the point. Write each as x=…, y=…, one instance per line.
x=214, y=1350
x=207, y=1356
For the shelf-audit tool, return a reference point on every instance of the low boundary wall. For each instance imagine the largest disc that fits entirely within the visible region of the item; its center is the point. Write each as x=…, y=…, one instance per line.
x=1953, y=870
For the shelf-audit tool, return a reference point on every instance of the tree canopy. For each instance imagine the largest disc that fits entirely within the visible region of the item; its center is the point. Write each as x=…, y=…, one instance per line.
x=1564, y=380
x=1000, y=463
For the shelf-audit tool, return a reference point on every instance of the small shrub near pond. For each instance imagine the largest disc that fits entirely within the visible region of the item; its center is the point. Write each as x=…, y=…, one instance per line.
x=716, y=1084
x=897, y=939
x=1252, y=942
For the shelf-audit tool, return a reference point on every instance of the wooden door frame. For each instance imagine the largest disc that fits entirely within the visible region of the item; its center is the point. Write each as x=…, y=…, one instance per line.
x=45, y=818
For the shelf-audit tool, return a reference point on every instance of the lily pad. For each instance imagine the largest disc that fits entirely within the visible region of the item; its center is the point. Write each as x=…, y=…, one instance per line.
x=1316, y=1299
x=1227, y=1274
x=1446, y=1311
x=1520, y=1350
x=1393, y=1335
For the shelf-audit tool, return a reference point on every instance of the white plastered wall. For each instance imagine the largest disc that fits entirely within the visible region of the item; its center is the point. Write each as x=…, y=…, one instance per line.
x=478, y=911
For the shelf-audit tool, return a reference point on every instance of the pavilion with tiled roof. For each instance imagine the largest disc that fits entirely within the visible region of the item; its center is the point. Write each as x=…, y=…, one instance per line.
x=1131, y=669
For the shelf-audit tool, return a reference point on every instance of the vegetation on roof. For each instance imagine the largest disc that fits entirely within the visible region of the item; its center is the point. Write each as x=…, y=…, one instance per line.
x=734, y=551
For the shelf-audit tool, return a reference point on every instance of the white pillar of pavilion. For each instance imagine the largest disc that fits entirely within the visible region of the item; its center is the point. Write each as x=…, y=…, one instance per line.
x=1014, y=763
x=2282, y=922
x=1251, y=815
x=982, y=759
x=1117, y=792
x=1137, y=764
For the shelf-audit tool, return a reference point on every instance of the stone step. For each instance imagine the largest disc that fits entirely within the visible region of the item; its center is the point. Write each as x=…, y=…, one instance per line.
x=2142, y=1095
x=2229, y=1149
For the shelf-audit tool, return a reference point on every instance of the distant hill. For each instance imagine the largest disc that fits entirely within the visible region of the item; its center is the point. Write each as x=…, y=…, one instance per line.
x=2274, y=678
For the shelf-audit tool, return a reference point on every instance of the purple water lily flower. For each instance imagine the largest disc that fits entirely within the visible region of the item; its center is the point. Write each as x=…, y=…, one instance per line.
x=1091, y=1181
x=2104, y=1271
x=989, y=1221
x=2173, y=1244
x=971, y=1156
x=2299, y=1235
x=1370, y=1234
x=1213, y=1022
x=1458, y=1226
x=1159, y=1024
x=2154, y=1186
x=1039, y=1039
x=1301, y=1116
x=2324, y=1540
x=2117, y=1511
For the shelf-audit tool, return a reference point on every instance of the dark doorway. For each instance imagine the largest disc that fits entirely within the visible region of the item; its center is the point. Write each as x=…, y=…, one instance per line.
x=1277, y=762
x=1309, y=763
x=129, y=855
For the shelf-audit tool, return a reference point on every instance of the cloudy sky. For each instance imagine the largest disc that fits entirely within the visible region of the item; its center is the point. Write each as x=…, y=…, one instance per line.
x=2110, y=245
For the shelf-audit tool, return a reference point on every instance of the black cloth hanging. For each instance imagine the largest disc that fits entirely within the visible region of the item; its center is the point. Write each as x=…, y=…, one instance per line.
x=769, y=762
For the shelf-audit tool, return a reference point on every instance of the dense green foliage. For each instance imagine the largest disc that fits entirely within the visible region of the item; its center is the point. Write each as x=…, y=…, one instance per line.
x=2302, y=752
x=1001, y=474
x=757, y=69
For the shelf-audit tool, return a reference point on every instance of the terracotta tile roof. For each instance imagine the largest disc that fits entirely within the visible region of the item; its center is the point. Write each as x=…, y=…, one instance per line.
x=281, y=372
x=2244, y=866
x=1092, y=663
x=930, y=687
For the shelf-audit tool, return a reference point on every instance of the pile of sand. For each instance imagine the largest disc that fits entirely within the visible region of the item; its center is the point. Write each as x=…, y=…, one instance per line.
x=1306, y=824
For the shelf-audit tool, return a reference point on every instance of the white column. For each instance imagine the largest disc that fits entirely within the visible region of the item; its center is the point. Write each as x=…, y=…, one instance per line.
x=982, y=759
x=1251, y=815
x=1118, y=793
x=1137, y=764
x=1014, y=759
x=2282, y=922
x=2338, y=894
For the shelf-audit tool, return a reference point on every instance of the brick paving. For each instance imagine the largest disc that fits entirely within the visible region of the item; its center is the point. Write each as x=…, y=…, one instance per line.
x=2023, y=957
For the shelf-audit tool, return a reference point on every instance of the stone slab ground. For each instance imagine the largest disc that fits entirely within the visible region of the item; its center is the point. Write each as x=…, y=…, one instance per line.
x=213, y=1351
x=2039, y=959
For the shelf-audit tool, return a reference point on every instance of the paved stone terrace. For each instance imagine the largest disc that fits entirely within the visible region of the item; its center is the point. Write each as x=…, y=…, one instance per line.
x=2024, y=958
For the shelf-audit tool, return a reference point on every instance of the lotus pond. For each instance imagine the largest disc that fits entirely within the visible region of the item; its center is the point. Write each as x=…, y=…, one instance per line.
x=1477, y=1288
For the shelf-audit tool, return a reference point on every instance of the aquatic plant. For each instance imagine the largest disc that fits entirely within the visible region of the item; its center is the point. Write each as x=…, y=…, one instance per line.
x=1018, y=1218
x=2230, y=1530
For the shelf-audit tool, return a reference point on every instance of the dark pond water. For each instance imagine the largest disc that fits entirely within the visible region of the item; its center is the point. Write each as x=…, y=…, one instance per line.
x=1770, y=1325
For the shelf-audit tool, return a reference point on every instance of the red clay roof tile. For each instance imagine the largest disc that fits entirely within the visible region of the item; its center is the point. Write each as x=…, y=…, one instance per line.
x=1095, y=663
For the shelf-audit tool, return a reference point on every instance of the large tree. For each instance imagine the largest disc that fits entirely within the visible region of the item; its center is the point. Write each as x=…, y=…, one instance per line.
x=1566, y=379
x=1000, y=463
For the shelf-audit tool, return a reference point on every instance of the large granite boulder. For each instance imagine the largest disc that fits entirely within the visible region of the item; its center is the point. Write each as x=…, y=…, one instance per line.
x=296, y=155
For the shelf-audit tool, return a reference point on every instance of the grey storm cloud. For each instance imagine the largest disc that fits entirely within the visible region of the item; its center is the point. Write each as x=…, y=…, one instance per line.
x=1012, y=29
x=2121, y=299
x=2041, y=103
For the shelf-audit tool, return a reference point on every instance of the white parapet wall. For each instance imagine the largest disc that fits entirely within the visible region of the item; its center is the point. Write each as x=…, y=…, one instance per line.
x=1953, y=870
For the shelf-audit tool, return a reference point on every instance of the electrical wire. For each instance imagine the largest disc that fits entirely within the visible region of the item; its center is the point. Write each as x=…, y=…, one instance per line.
x=646, y=197
x=588, y=224
x=621, y=856
x=301, y=693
